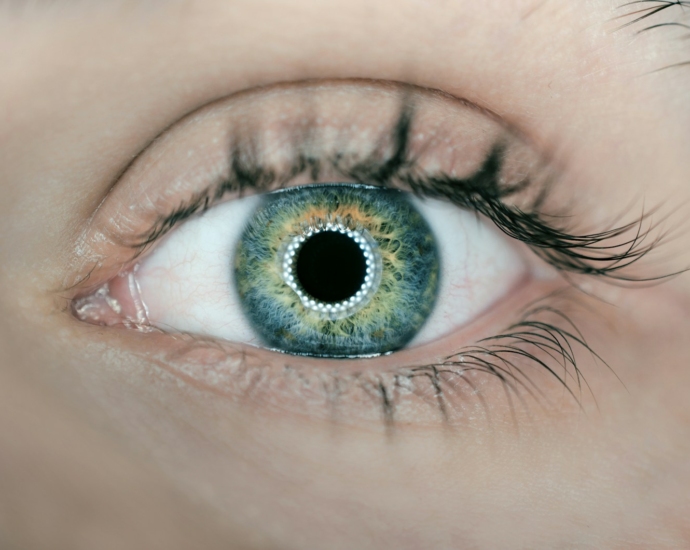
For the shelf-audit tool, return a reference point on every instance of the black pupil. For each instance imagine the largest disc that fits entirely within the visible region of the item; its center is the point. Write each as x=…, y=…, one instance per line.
x=331, y=267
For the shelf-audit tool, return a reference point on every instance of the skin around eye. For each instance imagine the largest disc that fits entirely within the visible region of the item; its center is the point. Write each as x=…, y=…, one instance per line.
x=188, y=284
x=508, y=336
x=271, y=449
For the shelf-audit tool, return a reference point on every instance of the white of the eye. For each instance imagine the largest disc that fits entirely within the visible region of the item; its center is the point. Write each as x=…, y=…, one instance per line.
x=479, y=266
x=187, y=283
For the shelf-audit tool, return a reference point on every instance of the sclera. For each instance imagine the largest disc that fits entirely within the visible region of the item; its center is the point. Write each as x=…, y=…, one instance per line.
x=186, y=283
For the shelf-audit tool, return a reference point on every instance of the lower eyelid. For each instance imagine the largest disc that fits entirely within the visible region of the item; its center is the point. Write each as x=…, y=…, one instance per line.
x=400, y=389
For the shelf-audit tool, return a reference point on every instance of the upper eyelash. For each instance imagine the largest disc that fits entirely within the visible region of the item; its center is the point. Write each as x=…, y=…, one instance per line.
x=606, y=254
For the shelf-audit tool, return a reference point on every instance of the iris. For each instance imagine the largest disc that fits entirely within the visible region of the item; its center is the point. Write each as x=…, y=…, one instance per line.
x=337, y=270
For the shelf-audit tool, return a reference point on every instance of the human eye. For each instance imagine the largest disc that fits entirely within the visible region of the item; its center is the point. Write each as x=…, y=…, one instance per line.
x=376, y=231
x=527, y=388
x=331, y=270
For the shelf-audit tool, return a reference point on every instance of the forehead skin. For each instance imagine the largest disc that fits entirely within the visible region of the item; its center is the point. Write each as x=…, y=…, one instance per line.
x=100, y=450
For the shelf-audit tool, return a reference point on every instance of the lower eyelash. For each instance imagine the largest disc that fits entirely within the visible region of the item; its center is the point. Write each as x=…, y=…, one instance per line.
x=548, y=345
x=545, y=337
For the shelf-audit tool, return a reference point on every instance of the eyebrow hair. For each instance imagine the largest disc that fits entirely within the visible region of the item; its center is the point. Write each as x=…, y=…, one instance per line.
x=656, y=7
x=652, y=15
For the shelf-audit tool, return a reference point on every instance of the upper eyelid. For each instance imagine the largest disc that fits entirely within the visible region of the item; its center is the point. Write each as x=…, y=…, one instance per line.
x=114, y=230
x=247, y=170
x=582, y=253
x=238, y=154
x=599, y=253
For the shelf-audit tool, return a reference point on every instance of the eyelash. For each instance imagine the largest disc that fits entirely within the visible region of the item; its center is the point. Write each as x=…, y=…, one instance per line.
x=601, y=254
x=658, y=6
x=528, y=338
x=535, y=339
x=543, y=334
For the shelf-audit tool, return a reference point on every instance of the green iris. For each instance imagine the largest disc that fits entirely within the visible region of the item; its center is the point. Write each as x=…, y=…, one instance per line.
x=337, y=270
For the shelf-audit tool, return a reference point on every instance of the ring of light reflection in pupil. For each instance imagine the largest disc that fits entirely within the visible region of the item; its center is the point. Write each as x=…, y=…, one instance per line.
x=333, y=269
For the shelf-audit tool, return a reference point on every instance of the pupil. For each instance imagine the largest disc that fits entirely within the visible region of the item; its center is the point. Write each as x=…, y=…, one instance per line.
x=331, y=267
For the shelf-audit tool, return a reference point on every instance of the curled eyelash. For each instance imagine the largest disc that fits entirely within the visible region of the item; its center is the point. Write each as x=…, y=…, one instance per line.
x=532, y=341
x=607, y=253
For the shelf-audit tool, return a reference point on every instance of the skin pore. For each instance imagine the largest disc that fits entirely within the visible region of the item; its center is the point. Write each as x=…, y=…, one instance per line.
x=110, y=438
